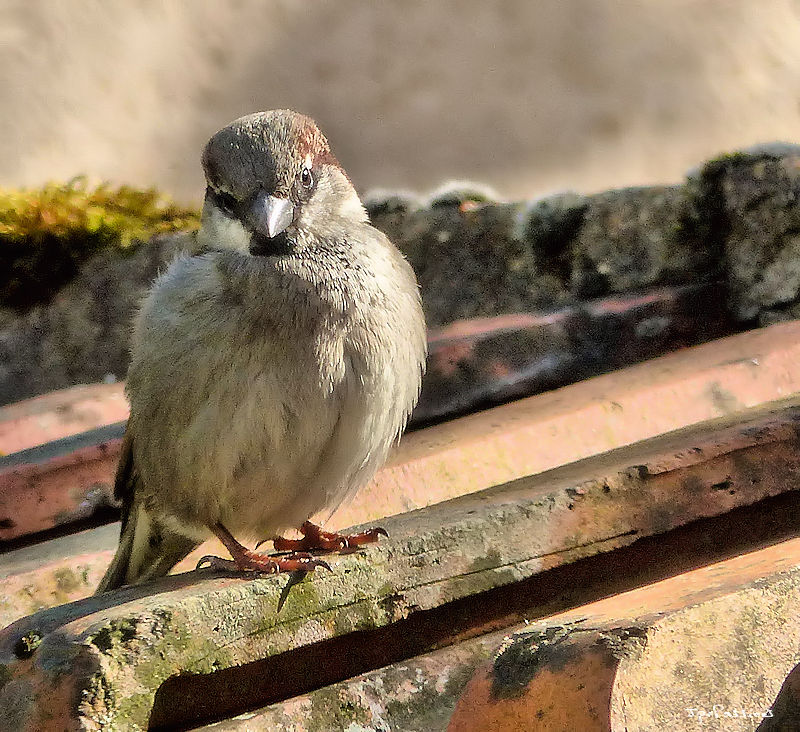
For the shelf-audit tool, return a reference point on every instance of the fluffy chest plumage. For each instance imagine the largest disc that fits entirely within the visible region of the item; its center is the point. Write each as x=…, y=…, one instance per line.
x=284, y=393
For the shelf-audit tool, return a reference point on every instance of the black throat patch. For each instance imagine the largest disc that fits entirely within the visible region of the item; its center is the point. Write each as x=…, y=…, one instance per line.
x=263, y=246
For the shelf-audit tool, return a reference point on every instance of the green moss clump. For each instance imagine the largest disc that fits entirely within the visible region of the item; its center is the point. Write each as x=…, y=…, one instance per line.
x=46, y=233
x=27, y=645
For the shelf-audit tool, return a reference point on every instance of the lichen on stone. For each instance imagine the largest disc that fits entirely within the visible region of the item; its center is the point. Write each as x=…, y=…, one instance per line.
x=522, y=656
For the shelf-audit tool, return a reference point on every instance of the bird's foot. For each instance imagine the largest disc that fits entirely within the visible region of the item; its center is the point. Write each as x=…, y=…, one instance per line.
x=260, y=564
x=315, y=539
x=245, y=560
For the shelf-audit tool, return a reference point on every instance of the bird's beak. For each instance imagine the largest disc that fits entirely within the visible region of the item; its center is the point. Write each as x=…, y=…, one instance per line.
x=271, y=215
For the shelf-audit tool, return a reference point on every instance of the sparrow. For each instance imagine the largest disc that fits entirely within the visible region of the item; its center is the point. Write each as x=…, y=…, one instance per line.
x=272, y=369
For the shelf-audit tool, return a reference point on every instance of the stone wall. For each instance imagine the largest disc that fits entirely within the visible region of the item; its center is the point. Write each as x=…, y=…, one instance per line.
x=731, y=227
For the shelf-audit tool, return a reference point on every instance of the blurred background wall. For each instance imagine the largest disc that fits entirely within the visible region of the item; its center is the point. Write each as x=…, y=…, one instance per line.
x=530, y=97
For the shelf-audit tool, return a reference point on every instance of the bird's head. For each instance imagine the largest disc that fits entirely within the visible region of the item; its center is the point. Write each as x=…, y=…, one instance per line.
x=273, y=182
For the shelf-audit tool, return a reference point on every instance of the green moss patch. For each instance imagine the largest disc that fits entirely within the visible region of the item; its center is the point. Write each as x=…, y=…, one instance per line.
x=46, y=233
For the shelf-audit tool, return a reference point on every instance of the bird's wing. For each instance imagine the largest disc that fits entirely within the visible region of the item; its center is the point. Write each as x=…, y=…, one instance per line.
x=146, y=549
x=125, y=480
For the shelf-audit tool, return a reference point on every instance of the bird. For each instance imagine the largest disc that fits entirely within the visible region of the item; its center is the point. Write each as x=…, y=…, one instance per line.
x=272, y=367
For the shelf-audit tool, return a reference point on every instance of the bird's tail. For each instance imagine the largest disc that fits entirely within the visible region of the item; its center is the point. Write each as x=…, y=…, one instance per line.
x=146, y=551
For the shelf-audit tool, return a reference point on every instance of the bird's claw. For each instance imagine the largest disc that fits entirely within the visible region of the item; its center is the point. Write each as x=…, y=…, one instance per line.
x=314, y=538
x=264, y=564
x=209, y=561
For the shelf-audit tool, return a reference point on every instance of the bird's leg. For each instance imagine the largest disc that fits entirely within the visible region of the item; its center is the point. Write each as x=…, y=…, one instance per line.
x=245, y=560
x=315, y=538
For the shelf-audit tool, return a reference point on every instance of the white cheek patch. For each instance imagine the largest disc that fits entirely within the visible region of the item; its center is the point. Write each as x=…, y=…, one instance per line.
x=222, y=232
x=352, y=208
x=234, y=235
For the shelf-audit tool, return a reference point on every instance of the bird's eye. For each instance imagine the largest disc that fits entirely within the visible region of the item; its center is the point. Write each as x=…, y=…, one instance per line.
x=306, y=178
